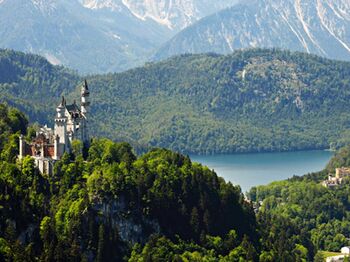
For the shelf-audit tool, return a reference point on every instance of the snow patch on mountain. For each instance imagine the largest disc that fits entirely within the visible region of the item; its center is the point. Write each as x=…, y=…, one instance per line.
x=113, y=5
x=174, y=14
x=316, y=26
x=52, y=59
x=45, y=6
x=166, y=12
x=116, y=36
x=330, y=26
x=305, y=24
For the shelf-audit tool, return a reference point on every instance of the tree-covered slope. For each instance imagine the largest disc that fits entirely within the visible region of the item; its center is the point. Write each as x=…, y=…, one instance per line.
x=253, y=100
x=107, y=204
x=322, y=212
x=32, y=84
x=98, y=207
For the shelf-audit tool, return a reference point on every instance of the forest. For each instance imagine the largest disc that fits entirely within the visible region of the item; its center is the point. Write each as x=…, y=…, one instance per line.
x=321, y=212
x=250, y=101
x=105, y=203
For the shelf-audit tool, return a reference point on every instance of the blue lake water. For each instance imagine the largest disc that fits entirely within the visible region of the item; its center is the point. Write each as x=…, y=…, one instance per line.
x=248, y=170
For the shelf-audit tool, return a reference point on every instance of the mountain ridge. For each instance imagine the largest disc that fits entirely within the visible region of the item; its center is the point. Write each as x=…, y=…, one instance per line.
x=249, y=101
x=68, y=35
x=93, y=36
x=174, y=14
x=316, y=27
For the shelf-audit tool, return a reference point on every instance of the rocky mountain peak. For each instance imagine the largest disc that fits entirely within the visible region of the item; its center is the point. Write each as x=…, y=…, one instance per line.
x=174, y=14
x=317, y=26
x=113, y=5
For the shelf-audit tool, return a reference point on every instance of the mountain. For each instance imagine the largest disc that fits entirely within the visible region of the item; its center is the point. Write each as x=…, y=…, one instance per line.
x=317, y=27
x=174, y=14
x=249, y=101
x=67, y=33
x=95, y=36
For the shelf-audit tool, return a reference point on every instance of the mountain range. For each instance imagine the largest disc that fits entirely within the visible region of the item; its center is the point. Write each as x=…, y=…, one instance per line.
x=319, y=27
x=248, y=101
x=99, y=36
x=174, y=14
x=95, y=36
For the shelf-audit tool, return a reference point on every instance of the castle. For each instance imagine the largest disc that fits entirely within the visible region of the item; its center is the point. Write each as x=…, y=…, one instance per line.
x=334, y=181
x=71, y=123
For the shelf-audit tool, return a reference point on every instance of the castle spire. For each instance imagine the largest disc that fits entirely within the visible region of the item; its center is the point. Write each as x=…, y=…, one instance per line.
x=84, y=106
x=63, y=102
x=85, y=98
x=60, y=108
x=86, y=85
x=60, y=129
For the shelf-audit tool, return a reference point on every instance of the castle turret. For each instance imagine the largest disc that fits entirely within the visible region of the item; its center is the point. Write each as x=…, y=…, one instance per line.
x=57, y=155
x=22, y=144
x=85, y=103
x=60, y=109
x=61, y=123
x=71, y=122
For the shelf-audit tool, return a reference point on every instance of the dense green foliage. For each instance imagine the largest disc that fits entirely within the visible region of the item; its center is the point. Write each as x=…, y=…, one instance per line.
x=321, y=214
x=12, y=122
x=97, y=208
x=253, y=100
x=104, y=203
x=32, y=84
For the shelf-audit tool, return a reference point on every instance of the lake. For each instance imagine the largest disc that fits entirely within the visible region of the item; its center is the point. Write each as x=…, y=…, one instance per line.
x=248, y=170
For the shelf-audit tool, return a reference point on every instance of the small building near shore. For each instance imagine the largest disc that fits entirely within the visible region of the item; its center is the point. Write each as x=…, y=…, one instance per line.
x=337, y=179
x=345, y=250
x=338, y=258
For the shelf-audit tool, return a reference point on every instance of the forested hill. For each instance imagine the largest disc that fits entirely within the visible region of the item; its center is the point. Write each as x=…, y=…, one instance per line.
x=253, y=100
x=305, y=204
x=32, y=84
x=105, y=204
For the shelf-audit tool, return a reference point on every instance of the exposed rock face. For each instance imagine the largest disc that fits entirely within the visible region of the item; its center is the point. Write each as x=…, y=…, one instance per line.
x=132, y=227
x=317, y=26
x=174, y=14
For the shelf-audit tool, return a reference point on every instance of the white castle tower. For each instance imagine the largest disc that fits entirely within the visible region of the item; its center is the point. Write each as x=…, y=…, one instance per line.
x=84, y=106
x=71, y=122
x=60, y=130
